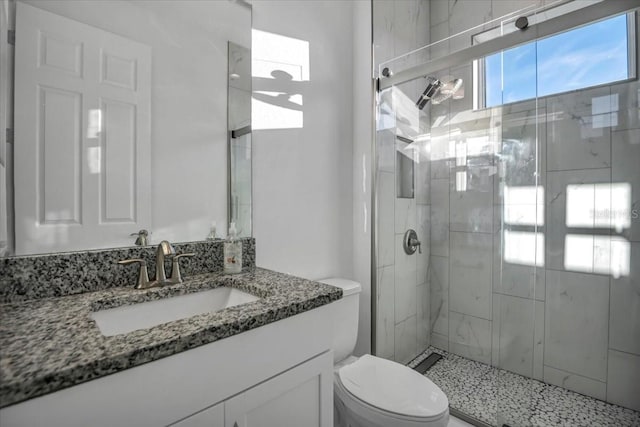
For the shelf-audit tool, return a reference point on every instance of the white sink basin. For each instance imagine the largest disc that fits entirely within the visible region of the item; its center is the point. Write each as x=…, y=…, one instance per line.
x=128, y=318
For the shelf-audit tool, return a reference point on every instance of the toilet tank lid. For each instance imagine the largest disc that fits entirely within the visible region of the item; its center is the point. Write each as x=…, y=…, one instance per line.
x=349, y=287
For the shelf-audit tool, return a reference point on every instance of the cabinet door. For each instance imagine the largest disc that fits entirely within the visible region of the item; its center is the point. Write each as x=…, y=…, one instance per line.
x=210, y=417
x=301, y=397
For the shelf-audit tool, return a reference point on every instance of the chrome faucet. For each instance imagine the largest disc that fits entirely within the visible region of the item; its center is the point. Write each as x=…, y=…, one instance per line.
x=164, y=249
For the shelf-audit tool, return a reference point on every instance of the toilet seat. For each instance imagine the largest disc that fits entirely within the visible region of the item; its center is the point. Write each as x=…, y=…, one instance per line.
x=388, y=393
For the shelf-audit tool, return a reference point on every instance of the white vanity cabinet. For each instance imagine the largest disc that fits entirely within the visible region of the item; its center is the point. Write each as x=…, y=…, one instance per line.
x=301, y=396
x=210, y=417
x=279, y=375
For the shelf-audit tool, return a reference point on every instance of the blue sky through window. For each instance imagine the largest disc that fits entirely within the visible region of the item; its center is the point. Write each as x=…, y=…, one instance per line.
x=587, y=56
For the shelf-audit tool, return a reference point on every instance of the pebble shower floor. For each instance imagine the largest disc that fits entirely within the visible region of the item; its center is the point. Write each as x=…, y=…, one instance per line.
x=499, y=397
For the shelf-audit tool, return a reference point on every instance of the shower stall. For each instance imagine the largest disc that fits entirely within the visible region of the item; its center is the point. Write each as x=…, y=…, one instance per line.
x=507, y=215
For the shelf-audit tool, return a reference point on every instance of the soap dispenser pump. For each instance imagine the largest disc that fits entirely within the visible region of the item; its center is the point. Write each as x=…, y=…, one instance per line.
x=232, y=252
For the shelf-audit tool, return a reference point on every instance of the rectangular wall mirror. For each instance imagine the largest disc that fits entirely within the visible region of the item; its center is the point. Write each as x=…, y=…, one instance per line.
x=239, y=110
x=121, y=113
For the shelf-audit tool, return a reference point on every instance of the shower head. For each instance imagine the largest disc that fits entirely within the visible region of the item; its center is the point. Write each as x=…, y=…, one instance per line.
x=437, y=91
x=433, y=87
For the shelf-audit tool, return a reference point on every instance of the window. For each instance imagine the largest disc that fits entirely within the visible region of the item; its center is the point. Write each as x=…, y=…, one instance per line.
x=587, y=56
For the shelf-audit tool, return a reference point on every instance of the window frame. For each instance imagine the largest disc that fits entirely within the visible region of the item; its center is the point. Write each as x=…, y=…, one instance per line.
x=479, y=75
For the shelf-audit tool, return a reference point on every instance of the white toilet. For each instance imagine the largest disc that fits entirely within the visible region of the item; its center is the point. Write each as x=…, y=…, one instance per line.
x=373, y=392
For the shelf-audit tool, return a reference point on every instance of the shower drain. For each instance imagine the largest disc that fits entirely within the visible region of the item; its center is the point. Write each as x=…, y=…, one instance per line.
x=427, y=363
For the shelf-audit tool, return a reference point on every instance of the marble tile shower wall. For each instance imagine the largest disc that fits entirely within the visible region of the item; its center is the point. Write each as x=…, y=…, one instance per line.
x=572, y=316
x=547, y=286
x=402, y=314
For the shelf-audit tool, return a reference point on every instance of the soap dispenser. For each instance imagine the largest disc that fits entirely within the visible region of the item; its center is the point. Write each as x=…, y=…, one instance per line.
x=232, y=252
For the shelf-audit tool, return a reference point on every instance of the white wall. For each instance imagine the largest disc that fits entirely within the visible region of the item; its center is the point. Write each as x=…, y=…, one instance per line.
x=303, y=221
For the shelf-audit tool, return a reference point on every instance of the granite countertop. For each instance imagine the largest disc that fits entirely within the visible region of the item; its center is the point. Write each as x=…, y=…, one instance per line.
x=50, y=344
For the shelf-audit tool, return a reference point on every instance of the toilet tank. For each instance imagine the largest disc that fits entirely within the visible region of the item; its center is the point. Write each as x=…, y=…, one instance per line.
x=345, y=317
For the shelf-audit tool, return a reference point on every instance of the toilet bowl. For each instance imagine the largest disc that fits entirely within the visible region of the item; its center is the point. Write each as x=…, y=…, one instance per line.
x=373, y=392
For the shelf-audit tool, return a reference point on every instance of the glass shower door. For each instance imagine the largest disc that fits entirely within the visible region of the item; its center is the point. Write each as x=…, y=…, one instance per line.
x=532, y=197
x=478, y=169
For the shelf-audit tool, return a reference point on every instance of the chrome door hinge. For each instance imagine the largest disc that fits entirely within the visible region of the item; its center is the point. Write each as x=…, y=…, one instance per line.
x=11, y=37
x=9, y=136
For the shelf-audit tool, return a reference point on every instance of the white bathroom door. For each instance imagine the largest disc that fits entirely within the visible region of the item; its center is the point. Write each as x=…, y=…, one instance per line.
x=82, y=135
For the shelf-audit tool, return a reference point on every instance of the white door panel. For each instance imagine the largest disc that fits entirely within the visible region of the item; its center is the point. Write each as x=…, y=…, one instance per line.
x=82, y=135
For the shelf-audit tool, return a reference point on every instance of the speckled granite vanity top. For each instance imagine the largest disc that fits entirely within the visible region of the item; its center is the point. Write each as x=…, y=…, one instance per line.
x=50, y=344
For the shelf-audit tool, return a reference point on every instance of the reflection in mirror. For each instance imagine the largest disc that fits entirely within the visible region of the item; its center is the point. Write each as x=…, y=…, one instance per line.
x=280, y=72
x=120, y=122
x=239, y=112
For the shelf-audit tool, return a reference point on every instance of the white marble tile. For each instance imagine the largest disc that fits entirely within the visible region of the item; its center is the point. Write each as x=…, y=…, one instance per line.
x=577, y=138
x=501, y=8
x=440, y=217
x=422, y=317
x=423, y=181
x=423, y=28
x=385, y=218
x=383, y=30
x=424, y=232
x=440, y=341
x=577, y=323
x=518, y=280
x=405, y=283
x=385, y=142
x=495, y=330
x=623, y=380
x=442, y=149
x=624, y=327
x=523, y=146
x=516, y=326
x=470, y=280
x=472, y=209
x=556, y=209
x=439, y=12
x=439, y=295
x=440, y=169
x=405, y=337
x=405, y=215
x=538, y=341
x=438, y=34
x=577, y=383
x=406, y=25
x=470, y=337
x=626, y=105
x=465, y=14
x=625, y=171
x=385, y=315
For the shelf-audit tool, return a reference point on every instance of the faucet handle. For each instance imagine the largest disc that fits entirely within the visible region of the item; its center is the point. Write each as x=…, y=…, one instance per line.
x=143, y=275
x=175, y=267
